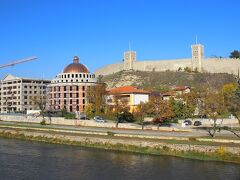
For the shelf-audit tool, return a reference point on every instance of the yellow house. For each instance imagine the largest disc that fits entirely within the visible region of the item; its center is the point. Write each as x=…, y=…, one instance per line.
x=128, y=96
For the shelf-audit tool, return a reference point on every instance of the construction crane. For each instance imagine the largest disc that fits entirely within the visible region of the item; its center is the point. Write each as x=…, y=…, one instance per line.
x=18, y=61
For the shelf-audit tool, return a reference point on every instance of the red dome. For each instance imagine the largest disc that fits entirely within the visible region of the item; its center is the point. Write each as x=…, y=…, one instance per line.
x=75, y=67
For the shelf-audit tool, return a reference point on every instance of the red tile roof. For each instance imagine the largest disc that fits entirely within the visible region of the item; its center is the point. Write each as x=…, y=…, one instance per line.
x=127, y=90
x=170, y=93
x=180, y=88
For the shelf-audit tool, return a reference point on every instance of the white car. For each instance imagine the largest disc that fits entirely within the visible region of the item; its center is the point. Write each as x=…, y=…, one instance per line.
x=99, y=119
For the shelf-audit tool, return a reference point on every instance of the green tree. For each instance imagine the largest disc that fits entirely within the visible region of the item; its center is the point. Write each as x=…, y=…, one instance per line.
x=235, y=54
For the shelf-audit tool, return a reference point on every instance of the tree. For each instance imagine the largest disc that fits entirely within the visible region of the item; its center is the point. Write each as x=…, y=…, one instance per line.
x=190, y=101
x=214, y=106
x=40, y=101
x=119, y=107
x=235, y=54
x=177, y=108
x=232, y=103
x=141, y=112
x=96, y=98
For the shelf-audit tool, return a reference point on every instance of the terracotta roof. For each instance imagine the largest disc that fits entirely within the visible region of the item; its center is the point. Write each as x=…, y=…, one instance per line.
x=180, y=88
x=75, y=67
x=127, y=90
x=170, y=93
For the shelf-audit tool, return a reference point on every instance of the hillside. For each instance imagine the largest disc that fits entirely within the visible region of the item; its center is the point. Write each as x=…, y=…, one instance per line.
x=159, y=80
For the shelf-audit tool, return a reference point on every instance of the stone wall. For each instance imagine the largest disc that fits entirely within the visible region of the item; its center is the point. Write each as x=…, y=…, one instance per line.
x=99, y=140
x=109, y=69
x=212, y=65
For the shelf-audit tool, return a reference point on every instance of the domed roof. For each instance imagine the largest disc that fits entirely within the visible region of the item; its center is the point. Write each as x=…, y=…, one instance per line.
x=75, y=67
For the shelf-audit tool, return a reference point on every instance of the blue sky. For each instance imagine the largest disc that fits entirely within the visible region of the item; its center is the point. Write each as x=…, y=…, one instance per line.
x=99, y=31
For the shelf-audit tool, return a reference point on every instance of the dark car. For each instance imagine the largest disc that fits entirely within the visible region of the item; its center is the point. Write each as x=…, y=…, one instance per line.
x=165, y=124
x=84, y=118
x=187, y=122
x=197, y=123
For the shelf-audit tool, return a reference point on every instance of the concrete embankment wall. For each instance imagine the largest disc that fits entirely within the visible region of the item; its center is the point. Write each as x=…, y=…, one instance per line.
x=102, y=141
x=62, y=121
x=92, y=123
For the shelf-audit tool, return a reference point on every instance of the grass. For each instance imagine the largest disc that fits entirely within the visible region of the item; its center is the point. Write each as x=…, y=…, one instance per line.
x=219, y=155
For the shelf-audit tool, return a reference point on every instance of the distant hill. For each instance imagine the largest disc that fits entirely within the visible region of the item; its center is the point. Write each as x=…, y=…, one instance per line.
x=159, y=80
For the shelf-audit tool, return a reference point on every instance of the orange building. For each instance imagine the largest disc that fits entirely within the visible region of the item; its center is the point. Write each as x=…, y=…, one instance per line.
x=68, y=89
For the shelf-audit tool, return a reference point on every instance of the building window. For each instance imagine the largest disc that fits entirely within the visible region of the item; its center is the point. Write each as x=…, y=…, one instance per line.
x=70, y=88
x=76, y=88
x=83, y=94
x=70, y=95
x=83, y=101
x=77, y=95
x=70, y=101
x=65, y=88
x=76, y=75
x=70, y=108
x=65, y=95
x=65, y=101
x=83, y=88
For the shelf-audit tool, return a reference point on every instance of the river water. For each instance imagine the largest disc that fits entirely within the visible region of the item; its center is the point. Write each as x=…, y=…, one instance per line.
x=32, y=160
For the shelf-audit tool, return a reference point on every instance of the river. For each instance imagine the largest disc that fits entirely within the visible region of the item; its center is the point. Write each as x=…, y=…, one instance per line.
x=33, y=160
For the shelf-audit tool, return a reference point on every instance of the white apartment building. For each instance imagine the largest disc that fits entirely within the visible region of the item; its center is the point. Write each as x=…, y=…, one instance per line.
x=16, y=93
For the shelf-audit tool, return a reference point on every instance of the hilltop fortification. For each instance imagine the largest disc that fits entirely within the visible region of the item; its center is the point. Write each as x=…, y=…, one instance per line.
x=196, y=63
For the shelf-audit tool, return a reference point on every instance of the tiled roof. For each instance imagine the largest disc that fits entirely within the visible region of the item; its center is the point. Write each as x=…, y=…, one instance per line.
x=127, y=90
x=180, y=88
x=170, y=93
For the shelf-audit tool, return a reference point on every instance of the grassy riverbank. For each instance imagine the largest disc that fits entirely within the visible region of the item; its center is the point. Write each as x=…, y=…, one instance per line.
x=219, y=155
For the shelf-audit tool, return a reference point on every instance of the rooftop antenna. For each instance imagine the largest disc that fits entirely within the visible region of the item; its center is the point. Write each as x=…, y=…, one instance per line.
x=129, y=46
x=196, y=38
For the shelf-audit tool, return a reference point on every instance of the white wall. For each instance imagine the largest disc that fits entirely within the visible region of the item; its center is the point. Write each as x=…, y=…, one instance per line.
x=138, y=98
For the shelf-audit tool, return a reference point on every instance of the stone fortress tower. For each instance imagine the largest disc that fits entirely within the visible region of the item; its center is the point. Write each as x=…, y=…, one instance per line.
x=196, y=62
x=129, y=59
x=197, y=57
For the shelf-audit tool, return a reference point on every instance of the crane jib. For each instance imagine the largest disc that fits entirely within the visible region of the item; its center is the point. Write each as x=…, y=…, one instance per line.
x=18, y=62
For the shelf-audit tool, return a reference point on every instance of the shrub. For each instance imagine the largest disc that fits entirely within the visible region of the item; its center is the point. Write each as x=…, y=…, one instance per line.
x=221, y=151
x=109, y=133
x=43, y=122
x=69, y=116
x=126, y=116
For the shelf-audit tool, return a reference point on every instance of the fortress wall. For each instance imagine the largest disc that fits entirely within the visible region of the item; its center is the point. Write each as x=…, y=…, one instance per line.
x=109, y=69
x=216, y=65
x=162, y=65
x=212, y=65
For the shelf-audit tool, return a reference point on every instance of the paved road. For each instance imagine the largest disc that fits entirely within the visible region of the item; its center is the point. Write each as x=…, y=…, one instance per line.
x=194, y=133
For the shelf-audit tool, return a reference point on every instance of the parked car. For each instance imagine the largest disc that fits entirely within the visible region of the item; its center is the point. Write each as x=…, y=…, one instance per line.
x=99, y=119
x=188, y=122
x=84, y=118
x=197, y=123
x=165, y=124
